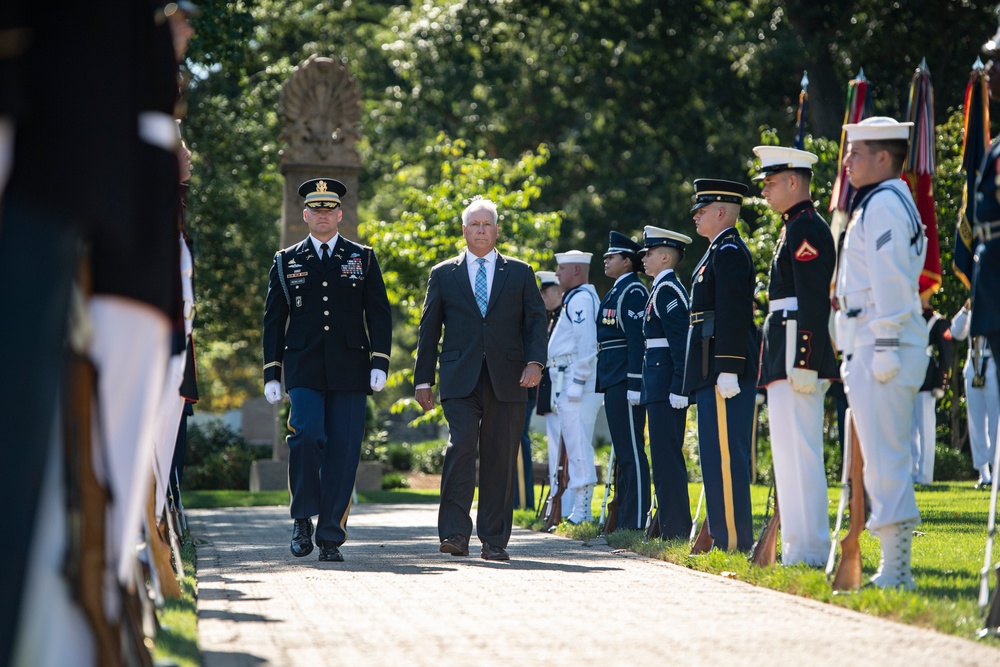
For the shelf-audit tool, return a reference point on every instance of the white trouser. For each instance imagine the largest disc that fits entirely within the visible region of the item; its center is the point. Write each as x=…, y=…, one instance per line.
x=799, y=473
x=983, y=405
x=923, y=438
x=130, y=348
x=552, y=437
x=884, y=412
x=576, y=425
x=168, y=421
x=48, y=602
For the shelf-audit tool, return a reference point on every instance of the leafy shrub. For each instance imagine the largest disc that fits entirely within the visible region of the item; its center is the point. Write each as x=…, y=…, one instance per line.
x=218, y=458
x=394, y=480
x=952, y=465
x=398, y=456
x=428, y=457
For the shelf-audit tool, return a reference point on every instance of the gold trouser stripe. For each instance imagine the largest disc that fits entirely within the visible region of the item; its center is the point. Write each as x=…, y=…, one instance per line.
x=727, y=471
x=343, y=519
x=522, y=492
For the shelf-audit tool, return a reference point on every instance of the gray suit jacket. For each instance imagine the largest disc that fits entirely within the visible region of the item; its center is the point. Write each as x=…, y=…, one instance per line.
x=511, y=334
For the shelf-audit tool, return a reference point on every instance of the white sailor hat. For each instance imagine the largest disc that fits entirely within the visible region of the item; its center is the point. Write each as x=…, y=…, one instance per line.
x=775, y=159
x=654, y=237
x=573, y=257
x=547, y=278
x=878, y=128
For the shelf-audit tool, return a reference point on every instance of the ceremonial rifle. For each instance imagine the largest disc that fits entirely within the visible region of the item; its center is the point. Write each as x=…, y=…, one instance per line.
x=605, y=527
x=992, y=623
x=848, y=574
x=652, y=521
x=553, y=513
x=764, y=550
x=697, y=513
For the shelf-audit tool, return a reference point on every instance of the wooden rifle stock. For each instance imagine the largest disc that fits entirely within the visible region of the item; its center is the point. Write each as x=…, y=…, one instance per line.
x=704, y=542
x=553, y=513
x=848, y=574
x=765, y=550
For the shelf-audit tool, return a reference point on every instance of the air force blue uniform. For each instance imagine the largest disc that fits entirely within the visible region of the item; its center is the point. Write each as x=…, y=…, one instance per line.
x=619, y=370
x=665, y=328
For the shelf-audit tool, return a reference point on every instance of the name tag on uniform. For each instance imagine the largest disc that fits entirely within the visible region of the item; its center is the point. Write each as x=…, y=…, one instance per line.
x=297, y=278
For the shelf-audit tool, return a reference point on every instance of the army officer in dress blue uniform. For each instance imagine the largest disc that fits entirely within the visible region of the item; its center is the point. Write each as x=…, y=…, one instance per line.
x=721, y=366
x=798, y=361
x=619, y=377
x=665, y=329
x=334, y=352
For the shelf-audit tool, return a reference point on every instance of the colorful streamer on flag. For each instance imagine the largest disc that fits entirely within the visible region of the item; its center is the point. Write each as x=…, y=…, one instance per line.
x=859, y=107
x=975, y=143
x=800, y=118
x=918, y=172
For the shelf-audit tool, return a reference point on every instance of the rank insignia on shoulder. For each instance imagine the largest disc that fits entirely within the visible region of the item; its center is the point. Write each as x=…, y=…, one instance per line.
x=635, y=315
x=579, y=317
x=806, y=252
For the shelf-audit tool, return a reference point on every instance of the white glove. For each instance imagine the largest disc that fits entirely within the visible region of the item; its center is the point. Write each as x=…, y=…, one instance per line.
x=886, y=364
x=633, y=397
x=272, y=391
x=760, y=398
x=937, y=392
x=377, y=380
x=728, y=385
x=678, y=402
x=574, y=393
x=803, y=380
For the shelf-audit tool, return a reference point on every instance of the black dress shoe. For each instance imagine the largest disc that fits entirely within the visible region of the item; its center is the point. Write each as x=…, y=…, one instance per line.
x=302, y=544
x=456, y=545
x=491, y=552
x=330, y=554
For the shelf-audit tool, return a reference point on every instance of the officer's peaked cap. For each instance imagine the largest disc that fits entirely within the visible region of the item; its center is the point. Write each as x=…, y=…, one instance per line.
x=775, y=159
x=711, y=190
x=322, y=192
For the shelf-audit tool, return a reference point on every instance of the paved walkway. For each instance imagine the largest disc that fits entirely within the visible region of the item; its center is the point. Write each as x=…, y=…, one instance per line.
x=397, y=601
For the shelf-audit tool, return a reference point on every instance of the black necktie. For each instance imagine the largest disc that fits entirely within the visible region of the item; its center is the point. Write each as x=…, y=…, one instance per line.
x=324, y=254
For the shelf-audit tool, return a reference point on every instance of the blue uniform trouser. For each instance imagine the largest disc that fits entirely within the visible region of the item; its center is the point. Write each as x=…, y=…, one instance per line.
x=524, y=475
x=324, y=450
x=626, y=424
x=724, y=431
x=666, y=447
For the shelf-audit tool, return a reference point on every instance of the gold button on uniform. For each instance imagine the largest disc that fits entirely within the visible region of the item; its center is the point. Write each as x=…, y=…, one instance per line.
x=325, y=283
x=326, y=312
x=326, y=328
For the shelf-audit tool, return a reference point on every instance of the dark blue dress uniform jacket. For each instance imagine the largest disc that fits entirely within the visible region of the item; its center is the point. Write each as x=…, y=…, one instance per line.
x=619, y=334
x=666, y=317
x=802, y=267
x=339, y=322
x=722, y=297
x=986, y=271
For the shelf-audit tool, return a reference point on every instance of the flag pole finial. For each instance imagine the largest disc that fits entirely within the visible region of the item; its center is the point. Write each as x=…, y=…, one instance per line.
x=861, y=74
x=923, y=63
x=805, y=79
x=978, y=65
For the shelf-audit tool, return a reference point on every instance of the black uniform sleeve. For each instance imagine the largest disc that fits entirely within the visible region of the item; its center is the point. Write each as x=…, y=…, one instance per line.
x=275, y=317
x=631, y=314
x=733, y=308
x=813, y=257
x=378, y=315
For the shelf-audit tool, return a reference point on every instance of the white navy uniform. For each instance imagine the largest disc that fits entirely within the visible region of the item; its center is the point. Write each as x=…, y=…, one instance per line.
x=879, y=266
x=573, y=360
x=983, y=402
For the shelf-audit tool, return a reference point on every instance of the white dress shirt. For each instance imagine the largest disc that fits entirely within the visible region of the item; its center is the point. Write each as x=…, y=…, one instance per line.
x=473, y=266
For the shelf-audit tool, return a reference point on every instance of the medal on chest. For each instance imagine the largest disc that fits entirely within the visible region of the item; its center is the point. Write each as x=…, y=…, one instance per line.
x=609, y=316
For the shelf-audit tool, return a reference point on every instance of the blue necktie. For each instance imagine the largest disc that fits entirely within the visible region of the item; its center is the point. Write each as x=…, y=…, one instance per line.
x=481, y=285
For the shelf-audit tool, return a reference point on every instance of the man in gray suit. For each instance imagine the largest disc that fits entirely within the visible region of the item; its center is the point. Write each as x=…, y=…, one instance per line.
x=493, y=350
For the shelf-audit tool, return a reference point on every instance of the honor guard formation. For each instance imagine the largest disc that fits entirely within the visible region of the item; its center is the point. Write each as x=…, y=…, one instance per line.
x=497, y=343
